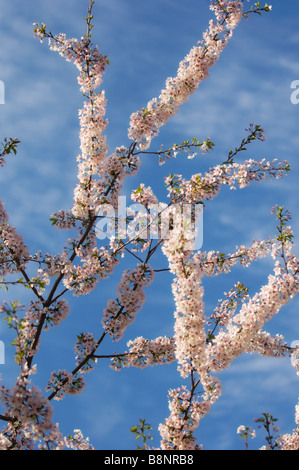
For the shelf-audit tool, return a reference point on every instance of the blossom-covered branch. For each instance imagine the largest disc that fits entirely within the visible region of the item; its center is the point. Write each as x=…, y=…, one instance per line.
x=202, y=344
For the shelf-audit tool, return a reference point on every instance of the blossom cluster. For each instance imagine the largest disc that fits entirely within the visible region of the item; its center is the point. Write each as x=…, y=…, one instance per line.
x=185, y=413
x=291, y=441
x=14, y=254
x=63, y=382
x=30, y=420
x=243, y=332
x=85, y=347
x=144, y=352
x=144, y=195
x=78, y=441
x=98, y=173
x=227, y=308
x=117, y=166
x=95, y=263
x=120, y=313
x=25, y=322
x=91, y=65
x=32, y=417
x=239, y=331
x=206, y=187
x=89, y=61
x=249, y=432
x=145, y=124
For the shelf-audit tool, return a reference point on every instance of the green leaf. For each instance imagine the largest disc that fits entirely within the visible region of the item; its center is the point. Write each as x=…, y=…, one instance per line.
x=134, y=429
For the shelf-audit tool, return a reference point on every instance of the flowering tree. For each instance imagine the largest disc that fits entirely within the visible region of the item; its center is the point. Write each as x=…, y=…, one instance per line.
x=201, y=346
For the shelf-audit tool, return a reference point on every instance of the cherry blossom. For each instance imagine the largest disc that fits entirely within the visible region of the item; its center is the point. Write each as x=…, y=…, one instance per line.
x=203, y=342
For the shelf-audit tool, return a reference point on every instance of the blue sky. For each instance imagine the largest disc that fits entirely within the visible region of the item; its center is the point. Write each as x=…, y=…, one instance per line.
x=251, y=82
